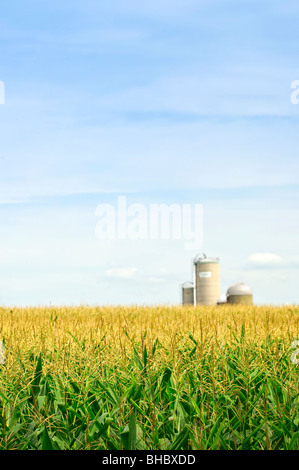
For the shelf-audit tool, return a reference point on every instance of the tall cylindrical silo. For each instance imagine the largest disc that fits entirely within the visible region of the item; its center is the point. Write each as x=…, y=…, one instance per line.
x=207, y=280
x=188, y=293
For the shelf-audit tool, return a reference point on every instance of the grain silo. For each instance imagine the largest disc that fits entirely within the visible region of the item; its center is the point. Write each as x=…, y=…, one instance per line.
x=207, y=280
x=239, y=293
x=188, y=293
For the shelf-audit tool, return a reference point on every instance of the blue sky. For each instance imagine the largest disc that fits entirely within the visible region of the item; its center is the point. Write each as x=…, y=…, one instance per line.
x=164, y=102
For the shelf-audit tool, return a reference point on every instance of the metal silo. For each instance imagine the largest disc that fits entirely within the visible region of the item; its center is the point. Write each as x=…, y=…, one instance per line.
x=207, y=280
x=239, y=293
x=188, y=293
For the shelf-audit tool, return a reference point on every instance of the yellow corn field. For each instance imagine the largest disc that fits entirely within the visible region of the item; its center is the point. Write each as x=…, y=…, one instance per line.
x=162, y=377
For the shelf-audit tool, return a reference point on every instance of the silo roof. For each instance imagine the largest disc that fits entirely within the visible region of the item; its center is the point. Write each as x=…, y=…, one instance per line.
x=202, y=258
x=239, y=289
x=188, y=285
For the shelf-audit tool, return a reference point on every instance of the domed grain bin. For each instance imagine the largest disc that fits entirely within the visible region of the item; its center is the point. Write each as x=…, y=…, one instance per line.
x=239, y=293
x=207, y=280
x=188, y=293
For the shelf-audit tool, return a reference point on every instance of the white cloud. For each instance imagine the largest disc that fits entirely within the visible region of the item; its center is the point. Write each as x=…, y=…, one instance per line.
x=121, y=273
x=156, y=280
x=265, y=259
x=272, y=260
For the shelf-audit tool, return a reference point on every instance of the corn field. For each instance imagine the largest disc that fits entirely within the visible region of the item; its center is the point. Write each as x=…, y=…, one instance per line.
x=149, y=378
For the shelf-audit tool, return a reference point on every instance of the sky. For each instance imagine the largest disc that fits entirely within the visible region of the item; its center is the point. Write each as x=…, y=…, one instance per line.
x=185, y=102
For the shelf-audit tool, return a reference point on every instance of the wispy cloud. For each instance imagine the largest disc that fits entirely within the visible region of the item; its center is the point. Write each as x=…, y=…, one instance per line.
x=121, y=273
x=156, y=280
x=239, y=91
x=272, y=261
x=265, y=259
